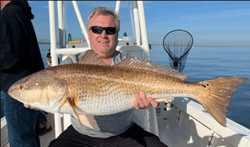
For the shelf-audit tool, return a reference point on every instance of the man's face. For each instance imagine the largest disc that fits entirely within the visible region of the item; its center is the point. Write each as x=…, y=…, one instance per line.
x=104, y=45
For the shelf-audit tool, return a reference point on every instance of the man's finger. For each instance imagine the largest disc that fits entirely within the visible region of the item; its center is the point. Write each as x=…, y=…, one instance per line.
x=152, y=101
x=137, y=101
x=145, y=103
x=30, y=107
x=26, y=106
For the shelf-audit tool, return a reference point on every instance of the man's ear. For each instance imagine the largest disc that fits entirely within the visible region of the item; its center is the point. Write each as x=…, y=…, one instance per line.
x=88, y=32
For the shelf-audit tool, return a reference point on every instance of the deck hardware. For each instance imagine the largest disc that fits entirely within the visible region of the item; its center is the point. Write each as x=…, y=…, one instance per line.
x=205, y=111
x=212, y=139
x=179, y=116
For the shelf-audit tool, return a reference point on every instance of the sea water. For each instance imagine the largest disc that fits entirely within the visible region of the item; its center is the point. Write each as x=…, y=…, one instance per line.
x=207, y=63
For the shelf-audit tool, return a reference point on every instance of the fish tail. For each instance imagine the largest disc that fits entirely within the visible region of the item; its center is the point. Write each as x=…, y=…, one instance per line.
x=217, y=95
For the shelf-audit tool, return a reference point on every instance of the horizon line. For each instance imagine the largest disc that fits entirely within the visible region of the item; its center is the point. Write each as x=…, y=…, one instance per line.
x=47, y=43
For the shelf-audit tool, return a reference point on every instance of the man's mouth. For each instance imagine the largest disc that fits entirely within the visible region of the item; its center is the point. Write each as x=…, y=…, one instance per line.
x=103, y=41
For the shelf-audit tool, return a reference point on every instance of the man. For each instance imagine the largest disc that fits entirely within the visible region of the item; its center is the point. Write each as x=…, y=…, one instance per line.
x=20, y=57
x=48, y=57
x=116, y=129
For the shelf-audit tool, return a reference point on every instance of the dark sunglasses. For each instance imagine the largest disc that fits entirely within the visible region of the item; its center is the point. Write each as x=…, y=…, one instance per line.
x=98, y=30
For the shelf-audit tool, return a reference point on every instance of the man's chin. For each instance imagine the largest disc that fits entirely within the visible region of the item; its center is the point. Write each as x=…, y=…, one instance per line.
x=105, y=53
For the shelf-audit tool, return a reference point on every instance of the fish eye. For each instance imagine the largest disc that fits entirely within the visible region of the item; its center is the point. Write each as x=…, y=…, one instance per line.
x=21, y=87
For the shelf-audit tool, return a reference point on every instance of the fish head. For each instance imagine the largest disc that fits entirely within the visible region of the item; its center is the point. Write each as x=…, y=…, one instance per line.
x=41, y=90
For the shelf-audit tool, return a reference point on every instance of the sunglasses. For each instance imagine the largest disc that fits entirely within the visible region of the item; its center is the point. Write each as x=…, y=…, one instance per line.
x=98, y=30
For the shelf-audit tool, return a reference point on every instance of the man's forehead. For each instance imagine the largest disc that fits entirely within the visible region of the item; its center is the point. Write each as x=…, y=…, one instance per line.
x=102, y=15
x=99, y=18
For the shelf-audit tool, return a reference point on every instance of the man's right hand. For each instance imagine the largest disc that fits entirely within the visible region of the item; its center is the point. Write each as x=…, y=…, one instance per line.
x=28, y=106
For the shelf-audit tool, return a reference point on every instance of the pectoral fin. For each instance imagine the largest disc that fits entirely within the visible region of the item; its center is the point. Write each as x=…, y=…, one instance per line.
x=72, y=103
x=89, y=121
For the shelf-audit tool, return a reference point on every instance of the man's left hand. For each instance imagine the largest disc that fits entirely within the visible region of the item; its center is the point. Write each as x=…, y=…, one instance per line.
x=141, y=101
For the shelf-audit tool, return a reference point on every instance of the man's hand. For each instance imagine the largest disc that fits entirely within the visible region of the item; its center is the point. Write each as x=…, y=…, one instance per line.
x=28, y=106
x=143, y=102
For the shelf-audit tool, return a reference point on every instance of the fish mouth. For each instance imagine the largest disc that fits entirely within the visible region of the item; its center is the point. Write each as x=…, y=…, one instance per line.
x=11, y=91
x=15, y=91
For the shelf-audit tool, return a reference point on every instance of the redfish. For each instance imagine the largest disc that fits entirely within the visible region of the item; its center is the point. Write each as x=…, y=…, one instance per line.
x=93, y=88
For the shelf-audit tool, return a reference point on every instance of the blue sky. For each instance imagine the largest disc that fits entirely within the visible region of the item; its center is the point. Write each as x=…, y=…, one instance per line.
x=224, y=23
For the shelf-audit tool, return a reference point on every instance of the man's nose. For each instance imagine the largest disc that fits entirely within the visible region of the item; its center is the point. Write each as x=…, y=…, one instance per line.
x=104, y=34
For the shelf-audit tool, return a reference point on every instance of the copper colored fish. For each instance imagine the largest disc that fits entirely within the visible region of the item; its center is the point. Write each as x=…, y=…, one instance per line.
x=94, y=88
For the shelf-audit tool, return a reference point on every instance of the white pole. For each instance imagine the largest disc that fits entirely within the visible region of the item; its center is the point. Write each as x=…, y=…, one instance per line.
x=66, y=117
x=154, y=120
x=145, y=47
x=79, y=16
x=137, y=23
x=52, y=21
x=117, y=7
x=60, y=22
x=145, y=44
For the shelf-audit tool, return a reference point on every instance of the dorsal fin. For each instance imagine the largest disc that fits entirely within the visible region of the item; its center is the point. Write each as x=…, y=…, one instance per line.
x=90, y=57
x=149, y=65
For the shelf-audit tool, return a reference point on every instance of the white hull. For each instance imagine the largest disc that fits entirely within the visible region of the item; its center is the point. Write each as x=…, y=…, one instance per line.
x=188, y=124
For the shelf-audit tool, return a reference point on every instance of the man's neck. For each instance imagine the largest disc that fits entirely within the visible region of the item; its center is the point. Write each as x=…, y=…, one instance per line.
x=106, y=61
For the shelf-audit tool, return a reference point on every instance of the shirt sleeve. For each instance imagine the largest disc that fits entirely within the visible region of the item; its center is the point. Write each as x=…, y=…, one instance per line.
x=71, y=59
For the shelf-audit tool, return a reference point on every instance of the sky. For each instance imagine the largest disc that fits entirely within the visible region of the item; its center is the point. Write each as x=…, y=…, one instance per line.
x=211, y=23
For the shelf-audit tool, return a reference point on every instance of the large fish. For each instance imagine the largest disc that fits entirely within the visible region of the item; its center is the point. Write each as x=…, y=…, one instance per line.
x=94, y=88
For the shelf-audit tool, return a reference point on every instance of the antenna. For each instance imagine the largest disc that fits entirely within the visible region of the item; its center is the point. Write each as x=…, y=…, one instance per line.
x=177, y=44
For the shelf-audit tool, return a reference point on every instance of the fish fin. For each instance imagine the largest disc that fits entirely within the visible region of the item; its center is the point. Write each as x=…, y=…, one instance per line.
x=138, y=63
x=217, y=95
x=89, y=121
x=90, y=57
x=72, y=103
x=163, y=99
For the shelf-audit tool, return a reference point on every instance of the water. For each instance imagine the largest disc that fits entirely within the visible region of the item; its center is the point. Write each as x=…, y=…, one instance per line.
x=207, y=63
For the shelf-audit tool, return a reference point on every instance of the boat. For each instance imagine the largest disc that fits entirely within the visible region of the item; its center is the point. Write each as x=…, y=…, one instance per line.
x=179, y=122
